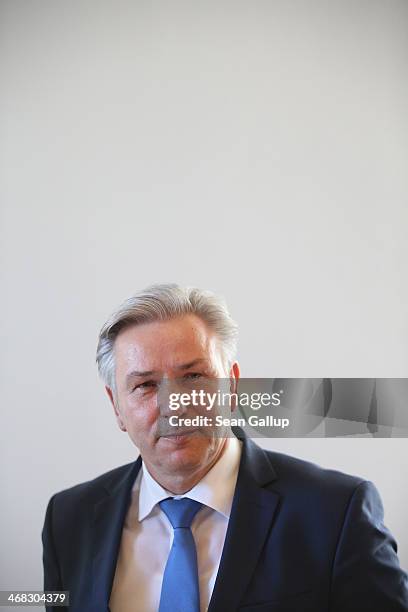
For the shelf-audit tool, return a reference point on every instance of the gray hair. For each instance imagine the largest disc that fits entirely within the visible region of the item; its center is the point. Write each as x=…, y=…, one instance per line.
x=161, y=303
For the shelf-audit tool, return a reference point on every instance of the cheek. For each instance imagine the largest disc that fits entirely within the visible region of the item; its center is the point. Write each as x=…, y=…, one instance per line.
x=141, y=414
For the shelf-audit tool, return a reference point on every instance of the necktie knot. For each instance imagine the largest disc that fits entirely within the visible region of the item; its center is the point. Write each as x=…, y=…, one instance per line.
x=180, y=512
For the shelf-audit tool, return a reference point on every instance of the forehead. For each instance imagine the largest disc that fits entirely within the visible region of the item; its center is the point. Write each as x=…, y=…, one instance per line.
x=164, y=344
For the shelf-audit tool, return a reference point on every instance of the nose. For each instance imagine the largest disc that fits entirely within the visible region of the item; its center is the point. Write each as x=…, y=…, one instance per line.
x=172, y=398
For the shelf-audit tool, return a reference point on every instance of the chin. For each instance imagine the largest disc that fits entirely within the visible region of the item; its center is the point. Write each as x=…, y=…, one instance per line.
x=185, y=451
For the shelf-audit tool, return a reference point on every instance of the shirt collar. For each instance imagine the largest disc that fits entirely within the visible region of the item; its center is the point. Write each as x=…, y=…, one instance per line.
x=215, y=489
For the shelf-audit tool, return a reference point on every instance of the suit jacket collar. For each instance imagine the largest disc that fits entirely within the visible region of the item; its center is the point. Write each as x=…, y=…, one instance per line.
x=251, y=518
x=109, y=514
x=250, y=522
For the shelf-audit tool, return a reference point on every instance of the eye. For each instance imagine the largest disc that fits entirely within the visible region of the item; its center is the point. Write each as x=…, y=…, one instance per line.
x=192, y=375
x=148, y=384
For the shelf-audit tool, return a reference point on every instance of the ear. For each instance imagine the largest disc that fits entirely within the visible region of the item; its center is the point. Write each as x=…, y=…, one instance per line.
x=115, y=409
x=234, y=378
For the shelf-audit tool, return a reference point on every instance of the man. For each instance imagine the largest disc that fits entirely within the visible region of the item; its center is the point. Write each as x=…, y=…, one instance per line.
x=211, y=522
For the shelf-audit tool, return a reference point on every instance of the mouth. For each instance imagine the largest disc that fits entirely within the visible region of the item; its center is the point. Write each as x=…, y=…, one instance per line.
x=179, y=436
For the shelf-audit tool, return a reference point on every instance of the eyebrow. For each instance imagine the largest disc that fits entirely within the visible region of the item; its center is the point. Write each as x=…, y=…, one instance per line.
x=136, y=374
x=184, y=366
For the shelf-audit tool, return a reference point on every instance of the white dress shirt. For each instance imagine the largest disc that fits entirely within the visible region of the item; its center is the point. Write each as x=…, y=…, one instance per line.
x=147, y=535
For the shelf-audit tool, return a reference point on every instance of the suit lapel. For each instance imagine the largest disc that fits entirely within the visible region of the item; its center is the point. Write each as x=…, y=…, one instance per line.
x=250, y=521
x=109, y=513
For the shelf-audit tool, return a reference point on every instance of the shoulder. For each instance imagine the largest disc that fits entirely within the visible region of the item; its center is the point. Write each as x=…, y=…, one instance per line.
x=300, y=478
x=294, y=468
x=316, y=495
x=90, y=490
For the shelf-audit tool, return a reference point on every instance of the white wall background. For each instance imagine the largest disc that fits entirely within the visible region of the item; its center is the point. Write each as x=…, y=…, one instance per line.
x=258, y=149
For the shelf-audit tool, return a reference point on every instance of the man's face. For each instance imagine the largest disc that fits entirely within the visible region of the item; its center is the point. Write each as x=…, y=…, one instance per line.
x=165, y=351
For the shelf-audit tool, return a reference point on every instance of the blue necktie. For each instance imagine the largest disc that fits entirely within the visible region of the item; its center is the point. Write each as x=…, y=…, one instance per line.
x=180, y=590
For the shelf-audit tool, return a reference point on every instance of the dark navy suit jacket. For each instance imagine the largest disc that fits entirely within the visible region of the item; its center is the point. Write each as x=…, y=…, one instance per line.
x=300, y=539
